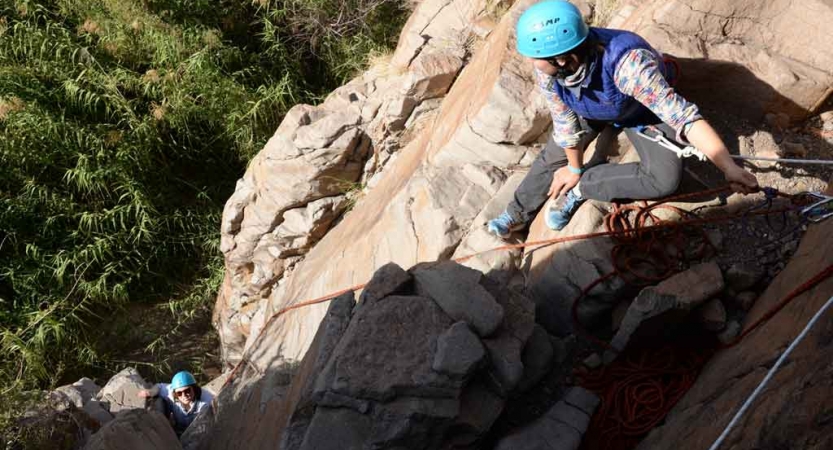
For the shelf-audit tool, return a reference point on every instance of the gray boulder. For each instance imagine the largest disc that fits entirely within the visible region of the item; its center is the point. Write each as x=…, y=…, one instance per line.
x=458, y=291
x=560, y=428
x=80, y=392
x=135, y=429
x=121, y=391
x=657, y=309
x=537, y=358
x=98, y=411
x=459, y=351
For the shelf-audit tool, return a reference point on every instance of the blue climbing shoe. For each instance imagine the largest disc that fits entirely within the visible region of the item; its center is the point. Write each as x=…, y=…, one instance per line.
x=503, y=225
x=560, y=211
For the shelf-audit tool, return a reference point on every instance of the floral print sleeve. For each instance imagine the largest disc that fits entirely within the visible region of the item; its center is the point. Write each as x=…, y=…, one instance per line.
x=638, y=75
x=566, y=130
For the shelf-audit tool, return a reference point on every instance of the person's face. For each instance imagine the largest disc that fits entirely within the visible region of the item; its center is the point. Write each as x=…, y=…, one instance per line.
x=560, y=66
x=185, y=395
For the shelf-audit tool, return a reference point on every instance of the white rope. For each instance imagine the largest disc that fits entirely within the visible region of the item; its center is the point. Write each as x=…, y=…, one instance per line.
x=684, y=152
x=783, y=160
x=769, y=375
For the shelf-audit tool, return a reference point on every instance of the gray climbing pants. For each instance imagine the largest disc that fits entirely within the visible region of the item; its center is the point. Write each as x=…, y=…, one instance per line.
x=657, y=173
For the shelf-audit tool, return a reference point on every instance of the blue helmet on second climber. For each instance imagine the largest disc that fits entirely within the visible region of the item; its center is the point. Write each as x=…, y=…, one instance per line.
x=550, y=28
x=181, y=380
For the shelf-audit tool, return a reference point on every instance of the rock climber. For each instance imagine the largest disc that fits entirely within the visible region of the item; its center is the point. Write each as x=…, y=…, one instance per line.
x=593, y=78
x=181, y=401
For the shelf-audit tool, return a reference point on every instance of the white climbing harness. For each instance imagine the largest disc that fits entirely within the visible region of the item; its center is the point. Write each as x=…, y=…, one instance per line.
x=659, y=138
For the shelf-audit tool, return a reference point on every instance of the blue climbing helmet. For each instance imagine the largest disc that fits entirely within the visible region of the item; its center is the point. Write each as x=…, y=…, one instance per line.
x=550, y=28
x=182, y=379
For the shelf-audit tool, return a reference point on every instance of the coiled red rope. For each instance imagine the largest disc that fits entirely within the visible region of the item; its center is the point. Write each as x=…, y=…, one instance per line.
x=637, y=391
x=639, y=388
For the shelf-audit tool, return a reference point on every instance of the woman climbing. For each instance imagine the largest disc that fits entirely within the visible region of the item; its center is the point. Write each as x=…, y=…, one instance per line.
x=593, y=78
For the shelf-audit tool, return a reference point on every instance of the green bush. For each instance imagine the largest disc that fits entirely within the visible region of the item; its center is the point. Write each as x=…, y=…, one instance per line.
x=124, y=126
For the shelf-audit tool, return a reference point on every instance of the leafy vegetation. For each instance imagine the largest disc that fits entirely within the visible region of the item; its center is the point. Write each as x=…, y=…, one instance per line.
x=124, y=125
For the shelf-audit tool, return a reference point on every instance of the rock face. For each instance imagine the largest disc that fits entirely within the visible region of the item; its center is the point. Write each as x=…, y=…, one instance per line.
x=794, y=410
x=764, y=53
x=395, y=372
x=136, y=430
x=434, y=144
x=422, y=206
x=294, y=189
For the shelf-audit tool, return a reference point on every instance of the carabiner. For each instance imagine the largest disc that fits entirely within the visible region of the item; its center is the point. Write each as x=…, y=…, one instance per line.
x=681, y=152
x=820, y=209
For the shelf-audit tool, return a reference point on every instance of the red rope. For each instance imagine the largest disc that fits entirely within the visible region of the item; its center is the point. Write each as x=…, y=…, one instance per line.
x=282, y=311
x=637, y=391
x=612, y=231
x=639, y=388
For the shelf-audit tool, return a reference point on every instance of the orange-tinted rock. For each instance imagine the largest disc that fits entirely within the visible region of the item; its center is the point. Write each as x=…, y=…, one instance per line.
x=794, y=410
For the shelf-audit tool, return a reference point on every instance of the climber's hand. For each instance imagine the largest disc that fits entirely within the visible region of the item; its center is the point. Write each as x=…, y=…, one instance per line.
x=562, y=181
x=144, y=393
x=741, y=181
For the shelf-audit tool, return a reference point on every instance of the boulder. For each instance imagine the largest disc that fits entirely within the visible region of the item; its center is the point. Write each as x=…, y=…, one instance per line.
x=383, y=339
x=712, y=315
x=459, y=351
x=537, y=358
x=98, y=411
x=396, y=371
x=135, y=429
x=743, y=276
x=480, y=407
x=120, y=392
x=196, y=435
x=661, y=307
x=47, y=427
x=80, y=392
x=457, y=290
x=562, y=427
x=389, y=279
x=745, y=300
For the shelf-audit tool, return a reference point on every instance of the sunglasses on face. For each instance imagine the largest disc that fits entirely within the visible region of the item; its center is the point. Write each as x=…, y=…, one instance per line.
x=183, y=392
